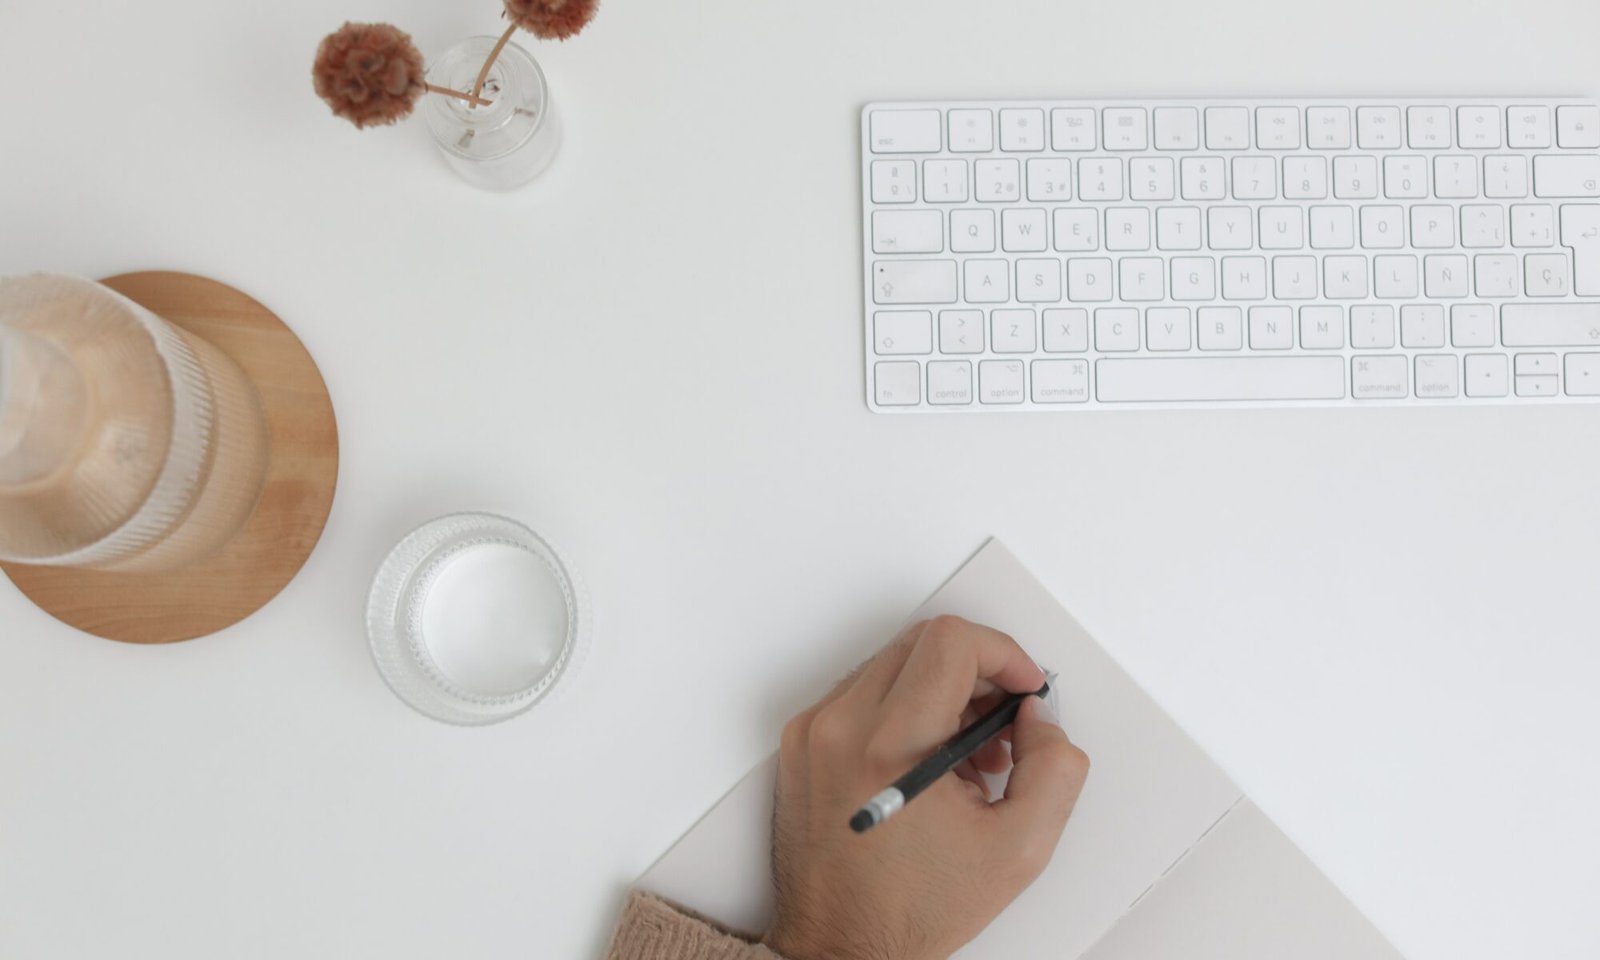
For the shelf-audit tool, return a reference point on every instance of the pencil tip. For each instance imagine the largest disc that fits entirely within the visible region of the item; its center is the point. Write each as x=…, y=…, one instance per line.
x=862, y=821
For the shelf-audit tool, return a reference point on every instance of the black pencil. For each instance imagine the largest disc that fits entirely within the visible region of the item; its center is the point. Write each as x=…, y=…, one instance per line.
x=943, y=760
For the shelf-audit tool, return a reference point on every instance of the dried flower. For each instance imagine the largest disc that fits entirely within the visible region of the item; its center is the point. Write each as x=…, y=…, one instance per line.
x=551, y=19
x=369, y=73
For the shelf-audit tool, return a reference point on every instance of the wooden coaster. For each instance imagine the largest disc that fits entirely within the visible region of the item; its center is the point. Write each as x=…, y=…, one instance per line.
x=303, y=463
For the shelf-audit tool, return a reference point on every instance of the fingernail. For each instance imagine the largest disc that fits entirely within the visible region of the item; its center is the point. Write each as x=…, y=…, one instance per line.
x=1046, y=709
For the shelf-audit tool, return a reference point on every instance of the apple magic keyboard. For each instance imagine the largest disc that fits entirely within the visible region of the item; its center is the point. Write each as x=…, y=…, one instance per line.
x=1064, y=255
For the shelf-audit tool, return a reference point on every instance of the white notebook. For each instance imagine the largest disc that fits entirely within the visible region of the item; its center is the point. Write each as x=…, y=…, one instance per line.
x=1163, y=857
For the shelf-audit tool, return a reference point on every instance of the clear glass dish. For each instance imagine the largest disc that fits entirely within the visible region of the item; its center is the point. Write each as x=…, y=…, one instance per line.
x=474, y=618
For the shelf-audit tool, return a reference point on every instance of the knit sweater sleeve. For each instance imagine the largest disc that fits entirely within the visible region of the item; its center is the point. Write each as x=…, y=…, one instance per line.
x=653, y=929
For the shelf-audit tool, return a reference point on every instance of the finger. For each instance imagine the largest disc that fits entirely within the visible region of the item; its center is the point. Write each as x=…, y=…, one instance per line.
x=966, y=771
x=1046, y=777
x=951, y=662
x=993, y=757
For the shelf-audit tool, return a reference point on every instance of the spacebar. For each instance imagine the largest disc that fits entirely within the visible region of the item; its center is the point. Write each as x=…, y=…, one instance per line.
x=1179, y=379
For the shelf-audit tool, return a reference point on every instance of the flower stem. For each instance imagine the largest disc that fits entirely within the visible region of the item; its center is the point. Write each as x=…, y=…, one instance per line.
x=494, y=55
x=474, y=100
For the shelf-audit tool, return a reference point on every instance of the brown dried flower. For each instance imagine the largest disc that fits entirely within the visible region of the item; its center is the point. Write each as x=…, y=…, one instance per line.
x=552, y=19
x=369, y=73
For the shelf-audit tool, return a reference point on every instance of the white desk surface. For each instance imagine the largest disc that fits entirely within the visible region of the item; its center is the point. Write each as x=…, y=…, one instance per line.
x=1381, y=622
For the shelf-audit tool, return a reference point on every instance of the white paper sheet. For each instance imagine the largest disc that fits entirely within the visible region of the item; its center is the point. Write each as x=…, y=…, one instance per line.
x=1151, y=796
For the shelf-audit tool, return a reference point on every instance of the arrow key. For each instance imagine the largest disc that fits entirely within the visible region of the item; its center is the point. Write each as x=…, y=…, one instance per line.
x=1583, y=374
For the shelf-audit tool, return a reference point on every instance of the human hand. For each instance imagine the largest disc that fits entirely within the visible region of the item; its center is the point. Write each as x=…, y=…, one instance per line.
x=930, y=878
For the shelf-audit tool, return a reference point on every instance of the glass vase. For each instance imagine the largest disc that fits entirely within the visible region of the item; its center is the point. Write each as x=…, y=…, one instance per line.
x=126, y=443
x=509, y=141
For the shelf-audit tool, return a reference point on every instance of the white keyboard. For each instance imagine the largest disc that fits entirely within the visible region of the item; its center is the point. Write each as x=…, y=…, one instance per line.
x=1064, y=255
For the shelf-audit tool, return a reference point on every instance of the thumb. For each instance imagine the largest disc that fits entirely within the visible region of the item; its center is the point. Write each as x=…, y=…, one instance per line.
x=1047, y=774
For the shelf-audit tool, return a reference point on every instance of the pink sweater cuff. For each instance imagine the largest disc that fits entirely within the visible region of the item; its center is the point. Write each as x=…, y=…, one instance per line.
x=652, y=929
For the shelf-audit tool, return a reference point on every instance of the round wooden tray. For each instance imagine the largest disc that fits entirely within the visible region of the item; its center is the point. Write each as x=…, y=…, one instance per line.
x=269, y=550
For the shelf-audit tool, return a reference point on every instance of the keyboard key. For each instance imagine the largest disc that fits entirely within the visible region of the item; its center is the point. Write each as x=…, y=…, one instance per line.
x=1099, y=179
x=1379, y=378
x=960, y=331
x=949, y=382
x=1305, y=178
x=1394, y=277
x=1421, y=326
x=1023, y=230
x=1478, y=128
x=998, y=181
x=1578, y=127
x=1505, y=177
x=1455, y=177
x=905, y=131
x=1180, y=379
x=1152, y=178
x=1072, y=129
x=1583, y=375
x=1167, y=329
x=1446, y=276
x=1227, y=128
x=1178, y=228
x=971, y=131
x=1383, y=228
x=1344, y=278
x=898, y=383
x=914, y=281
x=1076, y=229
x=1221, y=328
x=1437, y=376
x=1355, y=178
x=1281, y=228
x=987, y=281
x=1378, y=128
x=1294, y=278
x=1485, y=375
x=1328, y=128
x=1536, y=386
x=1580, y=230
x=944, y=181
x=1060, y=381
x=1049, y=181
x=1124, y=128
x=1066, y=331
x=1244, y=278
x=1433, y=226
x=1333, y=228
x=1271, y=328
x=1255, y=178
x=1038, y=280
x=907, y=231
x=894, y=181
x=1528, y=126
x=1278, y=128
x=1143, y=279
x=1546, y=275
x=1372, y=328
x=1322, y=328
x=1021, y=130
x=1533, y=225
x=1193, y=278
x=1128, y=228
x=1550, y=325
x=1177, y=128
x=1428, y=128
x=1230, y=228
x=972, y=231
x=1472, y=325
x=1483, y=225
x=1495, y=275
x=1202, y=178
x=1540, y=364
x=1012, y=331
x=1116, y=329
x=1089, y=279
x=1566, y=176
x=1000, y=381
x=1405, y=178
x=902, y=332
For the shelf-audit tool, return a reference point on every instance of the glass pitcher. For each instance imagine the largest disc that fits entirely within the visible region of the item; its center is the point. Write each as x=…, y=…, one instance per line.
x=126, y=443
